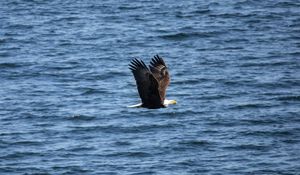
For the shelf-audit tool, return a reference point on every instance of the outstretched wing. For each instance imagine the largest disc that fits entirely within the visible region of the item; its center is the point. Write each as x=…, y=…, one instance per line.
x=160, y=72
x=147, y=85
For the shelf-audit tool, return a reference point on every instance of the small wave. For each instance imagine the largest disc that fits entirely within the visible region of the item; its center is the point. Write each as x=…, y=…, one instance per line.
x=290, y=4
x=17, y=155
x=91, y=91
x=9, y=65
x=70, y=18
x=4, y=54
x=19, y=26
x=188, y=162
x=136, y=154
x=201, y=11
x=129, y=7
x=289, y=98
x=145, y=173
x=61, y=67
x=291, y=141
x=183, y=36
x=122, y=143
x=232, y=15
x=70, y=169
x=214, y=97
x=282, y=133
x=261, y=121
x=2, y=40
x=194, y=142
x=81, y=118
x=266, y=64
x=250, y=105
x=117, y=73
x=188, y=81
x=295, y=54
x=233, y=48
x=27, y=143
x=79, y=149
x=248, y=147
x=222, y=123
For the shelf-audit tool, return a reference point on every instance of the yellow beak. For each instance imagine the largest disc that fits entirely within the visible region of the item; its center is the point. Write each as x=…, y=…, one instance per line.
x=170, y=102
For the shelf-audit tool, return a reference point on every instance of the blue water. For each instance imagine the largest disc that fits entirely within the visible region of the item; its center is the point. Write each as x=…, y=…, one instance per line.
x=65, y=85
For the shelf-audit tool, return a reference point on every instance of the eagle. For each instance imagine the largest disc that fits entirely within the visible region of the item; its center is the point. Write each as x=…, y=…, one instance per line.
x=151, y=82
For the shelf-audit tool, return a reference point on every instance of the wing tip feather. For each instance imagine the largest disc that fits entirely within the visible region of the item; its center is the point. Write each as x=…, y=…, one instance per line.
x=157, y=60
x=135, y=64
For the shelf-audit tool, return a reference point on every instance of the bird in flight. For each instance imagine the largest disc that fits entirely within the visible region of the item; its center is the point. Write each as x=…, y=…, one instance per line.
x=151, y=82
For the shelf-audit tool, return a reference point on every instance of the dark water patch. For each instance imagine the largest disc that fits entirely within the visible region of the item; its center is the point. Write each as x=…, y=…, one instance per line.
x=129, y=7
x=232, y=15
x=294, y=54
x=60, y=67
x=266, y=64
x=81, y=118
x=237, y=82
x=278, y=133
x=19, y=26
x=118, y=73
x=194, y=143
x=10, y=65
x=25, y=171
x=233, y=48
x=181, y=15
x=130, y=154
x=122, y=143
x=263, y=121
x=251, y=106
x=291, y=141
x=249, y=147
x=188, y=81
x=81, y=149
x=287, y=4
x=20, y=155
x=276, y=85
x=187, y=163
x=215, y=97
x=68, y=19
x=3, y=40
x=70, y=169
x=269, y=171
x=252, y=58
x=145, y=173
x=289, y=98
x=221, y=123
x=27, y=143
x=91, y=91
x=201, y=11
x=184, y=36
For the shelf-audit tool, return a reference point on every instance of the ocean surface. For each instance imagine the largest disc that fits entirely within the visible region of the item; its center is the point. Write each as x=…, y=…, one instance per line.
x=65, y=87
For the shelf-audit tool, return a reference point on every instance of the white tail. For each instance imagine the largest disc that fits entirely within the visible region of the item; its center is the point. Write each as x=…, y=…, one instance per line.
x=135, y=106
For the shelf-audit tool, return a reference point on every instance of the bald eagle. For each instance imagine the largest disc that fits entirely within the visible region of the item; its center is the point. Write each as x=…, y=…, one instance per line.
x=151, y=83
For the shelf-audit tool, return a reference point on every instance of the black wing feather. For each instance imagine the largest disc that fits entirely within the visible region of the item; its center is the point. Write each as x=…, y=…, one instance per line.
x=147, y=84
